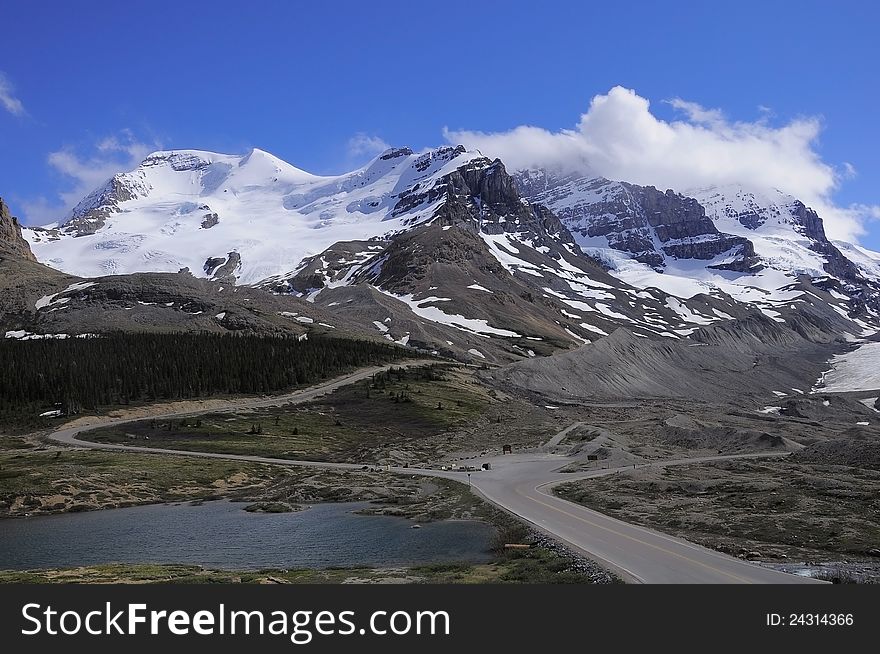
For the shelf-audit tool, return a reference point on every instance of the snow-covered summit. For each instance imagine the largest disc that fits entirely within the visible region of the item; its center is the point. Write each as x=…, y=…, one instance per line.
x=772, y=220
x=182, y=208
x=774, y=237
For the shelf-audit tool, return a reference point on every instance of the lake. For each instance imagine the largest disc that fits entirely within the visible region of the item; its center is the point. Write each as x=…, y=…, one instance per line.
x=223, y=535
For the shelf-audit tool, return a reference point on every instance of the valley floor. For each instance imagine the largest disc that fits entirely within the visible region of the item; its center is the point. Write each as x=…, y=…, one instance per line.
x=39, y=477
x=816, y=505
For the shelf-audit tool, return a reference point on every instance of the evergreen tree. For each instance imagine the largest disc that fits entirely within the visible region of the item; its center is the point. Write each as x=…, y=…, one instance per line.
x=83, y=374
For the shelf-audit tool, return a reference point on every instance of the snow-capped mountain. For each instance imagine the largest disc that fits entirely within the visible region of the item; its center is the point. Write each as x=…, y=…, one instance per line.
x=867, y=261
x=489, y=266
x=446, y=251
x=649, y=226
x=787, y=235
x=760, y=248
x=435, y=249
x=191, y=209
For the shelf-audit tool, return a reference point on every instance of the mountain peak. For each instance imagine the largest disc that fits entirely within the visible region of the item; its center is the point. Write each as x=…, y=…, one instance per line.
x=785, y=231
x=395, y=153
x=181, y=208
x=184, y=159
x=643, y=223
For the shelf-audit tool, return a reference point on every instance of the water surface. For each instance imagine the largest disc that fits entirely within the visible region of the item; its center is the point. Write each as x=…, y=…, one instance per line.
x=224, y=535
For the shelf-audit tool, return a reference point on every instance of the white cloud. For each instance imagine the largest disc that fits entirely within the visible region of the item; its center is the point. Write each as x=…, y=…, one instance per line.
x=361, y=145
x=698, y=113
x=866, y=211
x=7, y=97
x=82, y=174
x=620, y=138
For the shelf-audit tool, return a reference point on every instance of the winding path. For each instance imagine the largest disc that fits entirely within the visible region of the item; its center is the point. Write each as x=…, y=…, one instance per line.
x=521, y=484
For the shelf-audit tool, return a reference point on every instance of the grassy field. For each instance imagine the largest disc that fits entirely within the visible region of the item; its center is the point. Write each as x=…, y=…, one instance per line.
x=49, y=481
x=34, y=481
x=768, y=510
x=390, y=418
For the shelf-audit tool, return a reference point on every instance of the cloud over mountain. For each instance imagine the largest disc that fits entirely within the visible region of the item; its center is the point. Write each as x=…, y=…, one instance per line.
x=620, y=138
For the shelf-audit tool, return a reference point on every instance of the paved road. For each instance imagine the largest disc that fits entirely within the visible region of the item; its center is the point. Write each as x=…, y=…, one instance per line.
x=522, y=484
x=69, y=435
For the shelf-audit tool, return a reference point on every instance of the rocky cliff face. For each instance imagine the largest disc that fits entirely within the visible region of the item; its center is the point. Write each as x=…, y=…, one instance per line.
x=11, y=241
x=647, y=224
x=684, y=230
x=92, y=213
x=489, y=276
x=223, y=268
x=784, y=230
x=483, y=196
x=837, y=264
x=332, y=267
x=592, y=209
x=478, y=198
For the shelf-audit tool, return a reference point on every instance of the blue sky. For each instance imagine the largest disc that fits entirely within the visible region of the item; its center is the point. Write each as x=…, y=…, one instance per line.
x=92, y=85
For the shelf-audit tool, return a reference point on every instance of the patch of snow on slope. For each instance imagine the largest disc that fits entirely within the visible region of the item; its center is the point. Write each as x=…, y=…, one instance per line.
x=606, y=310
x=582, y=340
x=594, y=329
x=434, y=314
x=49, y=300
x=770, y=313
x=22, y=335
x=504, y=250
x=687, y=315
x=858, y=370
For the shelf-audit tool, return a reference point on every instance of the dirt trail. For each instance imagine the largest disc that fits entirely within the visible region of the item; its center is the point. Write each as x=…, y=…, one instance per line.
x=182, y=408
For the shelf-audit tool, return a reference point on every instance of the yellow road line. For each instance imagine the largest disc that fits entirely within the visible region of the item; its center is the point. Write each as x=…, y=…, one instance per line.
x=636, y=540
